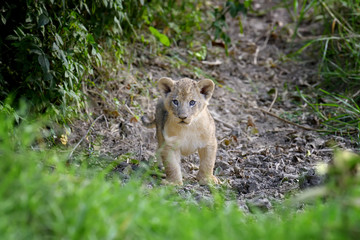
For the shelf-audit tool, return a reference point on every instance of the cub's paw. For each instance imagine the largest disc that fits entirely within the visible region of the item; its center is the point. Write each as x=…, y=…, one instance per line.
x=171, y=182
x=208, y=180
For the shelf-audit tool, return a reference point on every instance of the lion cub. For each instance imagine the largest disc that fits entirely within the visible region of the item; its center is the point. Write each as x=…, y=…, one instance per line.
x=184, y=125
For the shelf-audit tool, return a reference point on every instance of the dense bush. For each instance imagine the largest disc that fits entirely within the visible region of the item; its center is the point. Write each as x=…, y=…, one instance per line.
x=50, y=47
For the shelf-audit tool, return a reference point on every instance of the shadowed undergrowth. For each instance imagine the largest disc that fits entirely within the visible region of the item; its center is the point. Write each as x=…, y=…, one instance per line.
x=336, y=48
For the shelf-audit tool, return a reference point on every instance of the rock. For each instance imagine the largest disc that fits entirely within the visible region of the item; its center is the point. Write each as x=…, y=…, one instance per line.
x=253, y=186
x=262, y=204
x=290, y=169
x=310, y=179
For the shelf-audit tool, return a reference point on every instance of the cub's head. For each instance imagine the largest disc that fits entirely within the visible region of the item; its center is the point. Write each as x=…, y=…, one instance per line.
x=186, y=98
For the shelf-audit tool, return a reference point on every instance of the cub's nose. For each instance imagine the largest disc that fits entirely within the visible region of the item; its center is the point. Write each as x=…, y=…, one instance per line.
x=183, y=117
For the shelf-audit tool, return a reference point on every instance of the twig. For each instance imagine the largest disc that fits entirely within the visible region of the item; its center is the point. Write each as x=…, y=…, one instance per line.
x=322, y=38
x=274, y=100
x=357, y=93
x=106, y=121
x=256, y=55
x=286, y=121
x=129, y=110
x=292, y=123
x=224, y=123
x=236, y=100
x=82, y=139
x=258, y=49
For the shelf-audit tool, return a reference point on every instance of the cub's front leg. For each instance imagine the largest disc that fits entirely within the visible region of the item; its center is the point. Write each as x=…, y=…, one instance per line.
x=207, y=161
x=171, y=158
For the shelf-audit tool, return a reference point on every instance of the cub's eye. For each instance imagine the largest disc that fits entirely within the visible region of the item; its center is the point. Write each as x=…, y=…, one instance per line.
x=192, y=103
x=175, y=102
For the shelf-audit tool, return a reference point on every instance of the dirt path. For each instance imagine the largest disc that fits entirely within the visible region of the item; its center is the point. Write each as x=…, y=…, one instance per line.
x=260, y=158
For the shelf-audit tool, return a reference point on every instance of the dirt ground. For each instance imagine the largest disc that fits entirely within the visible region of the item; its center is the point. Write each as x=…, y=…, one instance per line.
x=260, y=158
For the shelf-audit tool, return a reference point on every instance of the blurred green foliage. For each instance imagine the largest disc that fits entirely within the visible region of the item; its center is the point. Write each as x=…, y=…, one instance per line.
x=42, y=197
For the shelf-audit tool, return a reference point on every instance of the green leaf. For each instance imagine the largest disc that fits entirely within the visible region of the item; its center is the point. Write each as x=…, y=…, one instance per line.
x=236, y=7
x=48, y=77
x=36, y=51
x=161, y=37
x=241, y=28
x=60, y=53
x=247, y=3
x=44, y=63
x=58, y=39
x=43, y=20
x=90, y=39
x=12, y=38
x=3, y=19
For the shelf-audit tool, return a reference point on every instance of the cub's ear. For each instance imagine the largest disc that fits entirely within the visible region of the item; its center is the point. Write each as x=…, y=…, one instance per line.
x=165, y=85
x=206, y=87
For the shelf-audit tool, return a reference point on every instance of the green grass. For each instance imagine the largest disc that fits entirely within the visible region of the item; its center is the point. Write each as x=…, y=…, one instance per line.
x=44, y=198
x=339, y=58
x=338, y=41
x=339, y=114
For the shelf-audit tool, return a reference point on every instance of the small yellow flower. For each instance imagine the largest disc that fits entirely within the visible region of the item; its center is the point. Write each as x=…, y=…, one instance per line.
x=64, y=139
x=322, y=168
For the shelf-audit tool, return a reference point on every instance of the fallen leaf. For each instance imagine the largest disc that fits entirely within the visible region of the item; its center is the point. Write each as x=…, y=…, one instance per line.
x=250, y=122
x=115, y=113
x=133, y=120
x=251, y=125
x=218, y=44
x=250, y=48
x=110, y=113
x=254, y=131
x=333, y=26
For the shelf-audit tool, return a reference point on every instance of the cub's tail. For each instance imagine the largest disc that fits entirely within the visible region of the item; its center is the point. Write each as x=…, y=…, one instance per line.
x=147, y=122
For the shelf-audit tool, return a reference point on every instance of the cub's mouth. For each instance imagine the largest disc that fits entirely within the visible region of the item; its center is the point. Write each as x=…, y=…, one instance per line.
x=183, y=122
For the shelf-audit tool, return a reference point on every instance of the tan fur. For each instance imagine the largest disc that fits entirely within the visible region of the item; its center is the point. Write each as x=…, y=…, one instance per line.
x=184, y=126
